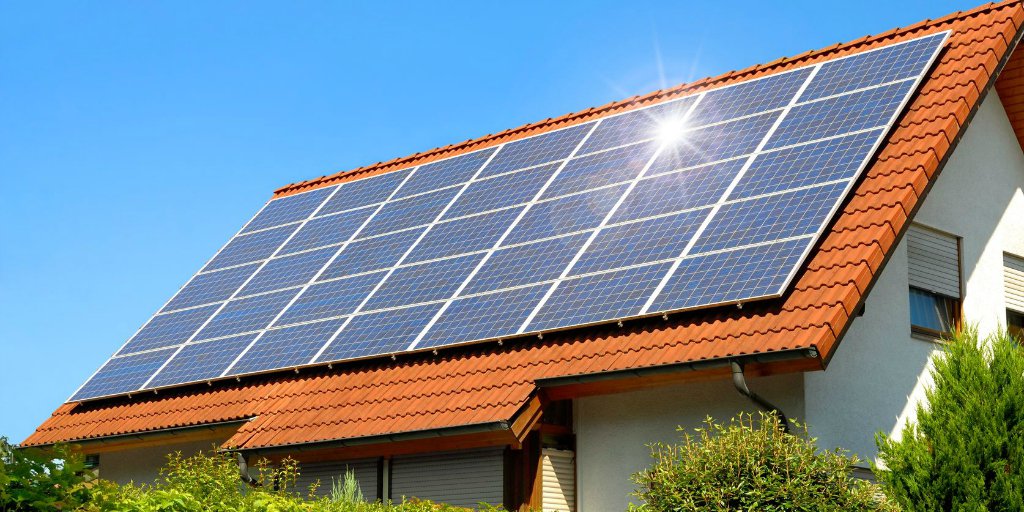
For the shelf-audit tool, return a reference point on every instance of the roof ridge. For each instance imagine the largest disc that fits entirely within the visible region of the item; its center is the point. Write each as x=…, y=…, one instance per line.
x=634, y=101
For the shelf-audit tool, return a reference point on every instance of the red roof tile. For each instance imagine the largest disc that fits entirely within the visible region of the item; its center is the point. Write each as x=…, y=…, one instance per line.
x=491, y=383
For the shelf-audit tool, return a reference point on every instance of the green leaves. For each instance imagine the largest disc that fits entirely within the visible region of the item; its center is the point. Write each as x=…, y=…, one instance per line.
x=966, y=450
x=42, y=479
x=750, y=464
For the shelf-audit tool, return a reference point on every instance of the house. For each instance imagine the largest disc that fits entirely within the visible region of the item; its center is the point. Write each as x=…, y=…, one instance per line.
x=931, y=233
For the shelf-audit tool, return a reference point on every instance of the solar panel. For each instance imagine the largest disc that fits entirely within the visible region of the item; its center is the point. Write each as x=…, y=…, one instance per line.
x=591, y=223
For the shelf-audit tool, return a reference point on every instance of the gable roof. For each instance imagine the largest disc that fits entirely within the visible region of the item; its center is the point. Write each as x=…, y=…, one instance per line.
x=497, y=389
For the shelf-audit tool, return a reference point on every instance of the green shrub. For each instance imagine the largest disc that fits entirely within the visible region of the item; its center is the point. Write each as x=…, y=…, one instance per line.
x=751, y=465
x=42, y=479
x=966, y=450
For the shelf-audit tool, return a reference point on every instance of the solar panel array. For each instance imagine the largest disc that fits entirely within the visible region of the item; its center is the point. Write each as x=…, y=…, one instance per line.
x=591, y=223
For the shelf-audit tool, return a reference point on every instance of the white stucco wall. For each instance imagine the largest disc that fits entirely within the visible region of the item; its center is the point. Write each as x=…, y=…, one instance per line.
x=880, y=371
x=142, y=465
x=612, y=431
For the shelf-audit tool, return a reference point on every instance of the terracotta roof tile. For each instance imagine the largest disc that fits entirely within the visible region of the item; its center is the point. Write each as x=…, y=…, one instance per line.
x=491, y=382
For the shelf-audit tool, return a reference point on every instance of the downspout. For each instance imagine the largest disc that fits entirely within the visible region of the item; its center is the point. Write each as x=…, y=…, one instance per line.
x=740, y=381
x=243, y=471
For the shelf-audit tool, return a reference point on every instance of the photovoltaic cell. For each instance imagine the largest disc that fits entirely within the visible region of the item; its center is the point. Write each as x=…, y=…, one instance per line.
x=679, y=190
x=524, y=264
x=809, y=164
x=640, y=242
x=843, y=114
x=463, y=235
x=599, y=297
x=252, y=247
x=123, y=374
x=599, y=169
x=501, y=191
x=330, y=299
x=246, y=315
x=288, y=271
x=478, y=285
x=329, y=230
x=565, y=215
x=168, y=329
x=484, y=316
x=201, y=361
x=540, y=149
x=384, y=332
x=769, y=218
x=288, y=209
x=211, y=287
x=363, y=192
x=731, y=276
x=371, y=254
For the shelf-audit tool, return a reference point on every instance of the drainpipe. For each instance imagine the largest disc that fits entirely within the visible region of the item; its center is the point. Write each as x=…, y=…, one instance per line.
x=243, y=471
x=740, y=381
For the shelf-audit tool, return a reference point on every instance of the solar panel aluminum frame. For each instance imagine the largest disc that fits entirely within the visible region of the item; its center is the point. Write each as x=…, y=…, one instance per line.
x=524, y=331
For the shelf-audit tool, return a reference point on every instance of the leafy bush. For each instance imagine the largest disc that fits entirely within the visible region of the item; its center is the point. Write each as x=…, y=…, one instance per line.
x=751, y=465
x=966, y=450
x=37, y=479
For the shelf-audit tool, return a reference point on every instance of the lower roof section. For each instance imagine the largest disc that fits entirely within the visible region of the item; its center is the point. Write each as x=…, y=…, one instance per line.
x=489, y=384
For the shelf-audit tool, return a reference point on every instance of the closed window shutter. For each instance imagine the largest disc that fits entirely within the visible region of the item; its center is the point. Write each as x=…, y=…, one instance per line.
x=1013, y=278
x=934, y=261
x=558, y=472
x=462, y=479
x=329, y=472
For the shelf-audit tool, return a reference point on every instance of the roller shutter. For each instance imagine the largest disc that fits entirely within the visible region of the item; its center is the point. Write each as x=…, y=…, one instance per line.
x=328, y=472
x=1013, y=278
x=934, y=261
x=558, y=472
x=462, y=479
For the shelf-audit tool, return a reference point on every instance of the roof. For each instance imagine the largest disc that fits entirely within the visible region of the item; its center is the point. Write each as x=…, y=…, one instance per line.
x=498, y=386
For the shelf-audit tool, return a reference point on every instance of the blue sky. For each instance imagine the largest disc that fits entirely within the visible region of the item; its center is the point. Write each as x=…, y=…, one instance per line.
x=136, y=137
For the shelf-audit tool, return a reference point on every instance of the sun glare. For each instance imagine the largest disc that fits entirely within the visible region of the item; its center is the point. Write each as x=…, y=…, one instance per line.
x=671, y=130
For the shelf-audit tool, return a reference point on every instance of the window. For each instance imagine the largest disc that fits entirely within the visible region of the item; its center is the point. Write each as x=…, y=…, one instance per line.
x=934, y=281
x=1013, y=280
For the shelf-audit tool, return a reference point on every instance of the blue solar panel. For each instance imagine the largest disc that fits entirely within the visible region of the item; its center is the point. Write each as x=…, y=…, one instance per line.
x=482, y=254
x=384, y=332
x=290, y=346
x=501, y=191
x=726, y=277
x=748, y=98
x=330, y=299
x=599, y=297
x=886, y=64
x=202, y=361
x=809, y=164
x=524, y=264
x=770, y=218
x=540, y=149
x=640, y=242
x=444, y=173
x=464, y=235
x=211, y=287
x=679, y=190
x=288, y=271
x=599, y=169
x=288, y=209
x=367, y=191
x=565, y=215
x=493, y=315
x=371, y=254
x=168, y=329
x=251, y=247
x=872, y=108
x=423, y=282
x=330, y=230
x=246, y=315
x=123, y=374
x=635, y=126
x=406, y=213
